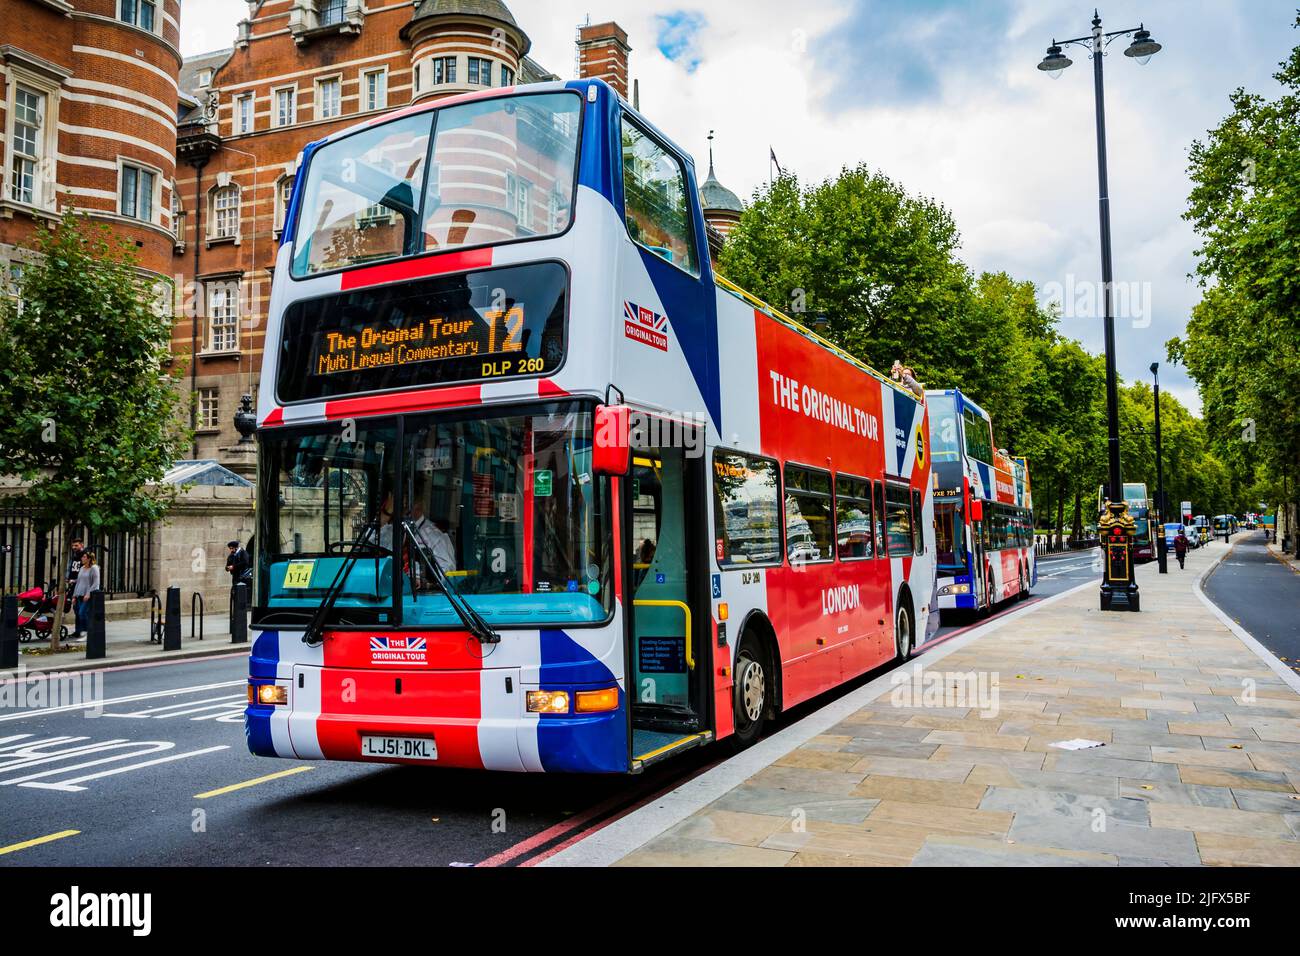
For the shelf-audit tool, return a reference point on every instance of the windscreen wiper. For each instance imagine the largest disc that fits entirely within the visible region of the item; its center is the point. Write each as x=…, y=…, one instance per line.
x=472, y=620
x=314, y=633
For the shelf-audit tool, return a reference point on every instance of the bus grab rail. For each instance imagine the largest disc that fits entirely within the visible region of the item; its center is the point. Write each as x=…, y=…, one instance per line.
x=781, y=317
x=647, y=602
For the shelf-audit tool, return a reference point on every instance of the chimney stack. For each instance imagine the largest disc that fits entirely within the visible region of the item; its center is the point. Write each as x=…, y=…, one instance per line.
x=603, y=54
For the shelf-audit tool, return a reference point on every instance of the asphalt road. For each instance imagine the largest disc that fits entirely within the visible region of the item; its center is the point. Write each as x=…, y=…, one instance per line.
x=161, y=776
x=1261, y=594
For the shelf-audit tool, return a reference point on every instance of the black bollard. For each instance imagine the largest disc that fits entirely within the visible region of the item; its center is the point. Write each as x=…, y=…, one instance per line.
x=239, y=614
x=96, y=639
x=9, y=632
x=172, y=621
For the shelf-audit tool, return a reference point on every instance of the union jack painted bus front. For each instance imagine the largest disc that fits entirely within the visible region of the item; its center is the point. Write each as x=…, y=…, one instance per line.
x=984, y=523
x=537, y=490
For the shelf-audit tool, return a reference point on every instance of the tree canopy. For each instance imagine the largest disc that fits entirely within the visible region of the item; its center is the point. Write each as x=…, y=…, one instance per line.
x=1242, y=345
x=91, y=417
x=876, y=271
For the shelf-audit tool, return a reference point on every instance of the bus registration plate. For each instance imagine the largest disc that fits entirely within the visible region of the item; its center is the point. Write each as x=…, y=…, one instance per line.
x=407, y=748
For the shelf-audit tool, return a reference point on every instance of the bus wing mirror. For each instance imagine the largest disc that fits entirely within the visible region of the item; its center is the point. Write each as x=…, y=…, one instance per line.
x=612, y=446
x=977, y=511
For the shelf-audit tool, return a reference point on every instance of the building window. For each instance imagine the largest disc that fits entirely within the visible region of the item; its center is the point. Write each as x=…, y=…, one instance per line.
x=223, y=317
x=139, y=13
x=28, y=145
x=283, y=195
x=244, y=113
x=328, y=98
x=205, y=77
x=444, y=70
x=209, y=408
x=286, y=106
x=374, y=87
x=178, y=214
x=507, y=76
x=415, y=75
x=480, y=71
x=519, y=200
x=136, y=192
x=331, y=12
x=225, y=212
x=14, y=285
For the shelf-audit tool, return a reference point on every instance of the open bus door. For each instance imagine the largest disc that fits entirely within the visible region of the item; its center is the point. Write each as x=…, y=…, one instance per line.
x=669, y=651
x=980, y=583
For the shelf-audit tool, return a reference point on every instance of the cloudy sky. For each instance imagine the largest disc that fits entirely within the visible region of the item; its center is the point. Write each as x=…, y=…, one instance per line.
x=944, y=96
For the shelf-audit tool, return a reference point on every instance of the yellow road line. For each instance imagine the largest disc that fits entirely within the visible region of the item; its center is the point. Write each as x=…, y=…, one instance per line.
x=15, y=847
x=250, y=783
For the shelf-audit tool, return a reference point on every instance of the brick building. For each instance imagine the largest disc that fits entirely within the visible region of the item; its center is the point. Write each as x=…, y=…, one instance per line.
x=88, y=97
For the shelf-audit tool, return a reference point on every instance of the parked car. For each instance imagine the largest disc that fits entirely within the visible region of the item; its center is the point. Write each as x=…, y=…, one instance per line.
x=1171, y=532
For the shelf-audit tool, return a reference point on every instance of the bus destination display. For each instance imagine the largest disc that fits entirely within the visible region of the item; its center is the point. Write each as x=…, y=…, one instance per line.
x=490, y=324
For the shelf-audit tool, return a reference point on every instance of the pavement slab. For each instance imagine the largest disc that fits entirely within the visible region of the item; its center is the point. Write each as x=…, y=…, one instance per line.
x=1200, y=763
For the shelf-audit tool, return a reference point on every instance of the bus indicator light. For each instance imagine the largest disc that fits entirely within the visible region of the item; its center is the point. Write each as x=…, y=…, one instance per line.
x=593, y=701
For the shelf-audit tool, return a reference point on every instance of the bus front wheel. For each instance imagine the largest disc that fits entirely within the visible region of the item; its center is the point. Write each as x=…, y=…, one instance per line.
x=749, y=691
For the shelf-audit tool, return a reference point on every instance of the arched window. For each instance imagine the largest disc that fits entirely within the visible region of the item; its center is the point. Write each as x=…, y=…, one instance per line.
x=283, y=193
x=225, y=212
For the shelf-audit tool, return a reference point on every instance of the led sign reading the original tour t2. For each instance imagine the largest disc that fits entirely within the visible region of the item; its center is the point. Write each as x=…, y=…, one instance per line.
x=489, y=324
x=499, y=331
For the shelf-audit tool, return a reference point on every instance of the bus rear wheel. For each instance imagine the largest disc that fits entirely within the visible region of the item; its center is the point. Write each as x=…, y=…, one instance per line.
x=749, y=692
x=904, y=641
x=1023, y=593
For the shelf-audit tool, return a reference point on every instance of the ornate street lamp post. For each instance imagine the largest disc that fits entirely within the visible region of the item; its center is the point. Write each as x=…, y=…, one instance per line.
x=1116, y=526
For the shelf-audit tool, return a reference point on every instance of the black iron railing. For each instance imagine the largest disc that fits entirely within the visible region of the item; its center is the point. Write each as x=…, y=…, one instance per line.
x=30, y=555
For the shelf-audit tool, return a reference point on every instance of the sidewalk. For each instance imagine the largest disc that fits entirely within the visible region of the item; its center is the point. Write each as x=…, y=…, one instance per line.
x=127, y=642
x=1195, y=768
x=1286, y=557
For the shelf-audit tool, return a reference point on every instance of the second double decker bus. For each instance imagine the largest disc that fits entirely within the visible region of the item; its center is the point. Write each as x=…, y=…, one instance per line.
x=1141, y=507
x=984, y=523
x=537, y=490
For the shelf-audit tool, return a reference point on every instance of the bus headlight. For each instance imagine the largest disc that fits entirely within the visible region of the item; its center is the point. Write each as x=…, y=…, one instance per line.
x=268, y=694
x=548, y=701
x=955, y=589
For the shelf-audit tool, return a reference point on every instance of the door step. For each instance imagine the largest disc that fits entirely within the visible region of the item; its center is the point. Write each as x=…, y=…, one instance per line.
x=651, y=746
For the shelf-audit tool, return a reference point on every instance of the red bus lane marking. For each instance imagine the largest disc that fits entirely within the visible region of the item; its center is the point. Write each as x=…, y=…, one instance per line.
x=539, y=839
x=616, y=816
x=637, y=799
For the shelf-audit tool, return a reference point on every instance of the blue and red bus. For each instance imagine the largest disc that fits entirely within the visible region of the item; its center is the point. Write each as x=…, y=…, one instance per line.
x=984, y=510
x=538, y=491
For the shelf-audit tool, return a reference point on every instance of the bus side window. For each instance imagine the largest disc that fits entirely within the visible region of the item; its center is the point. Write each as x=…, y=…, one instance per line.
x=918, y=536
x=879, y=520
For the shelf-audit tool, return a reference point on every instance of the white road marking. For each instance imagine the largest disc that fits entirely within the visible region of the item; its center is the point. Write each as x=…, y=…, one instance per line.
x=187, y=707
x=69, y=786
x=152, y=695
x=31, y=753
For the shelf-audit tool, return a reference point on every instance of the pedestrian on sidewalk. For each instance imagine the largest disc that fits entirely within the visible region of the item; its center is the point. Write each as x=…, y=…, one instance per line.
x=240, y=567
x=1180, y=547
x=87, y=584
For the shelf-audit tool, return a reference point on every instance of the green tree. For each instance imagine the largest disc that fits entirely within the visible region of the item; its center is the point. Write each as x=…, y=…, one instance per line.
x=91, y=419
x=1242, y=344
